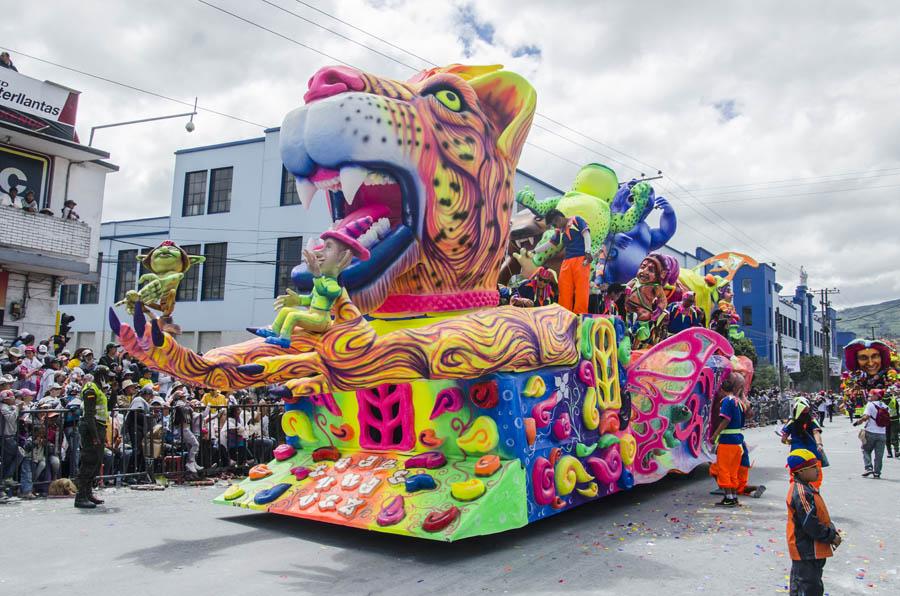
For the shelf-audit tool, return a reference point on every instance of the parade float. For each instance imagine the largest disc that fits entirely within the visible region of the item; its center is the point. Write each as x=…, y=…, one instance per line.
x=416, y=405
x=869, y=365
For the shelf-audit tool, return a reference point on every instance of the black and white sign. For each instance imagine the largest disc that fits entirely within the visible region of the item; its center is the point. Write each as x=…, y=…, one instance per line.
x=26, y=171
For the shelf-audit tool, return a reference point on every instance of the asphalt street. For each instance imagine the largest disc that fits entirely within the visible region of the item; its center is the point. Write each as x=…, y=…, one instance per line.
x=665, y=538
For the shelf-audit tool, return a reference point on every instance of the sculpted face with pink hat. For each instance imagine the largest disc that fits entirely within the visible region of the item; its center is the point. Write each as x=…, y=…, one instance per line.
x=325, y=261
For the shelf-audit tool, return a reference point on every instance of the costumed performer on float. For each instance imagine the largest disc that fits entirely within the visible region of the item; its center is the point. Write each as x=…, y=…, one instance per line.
x=645, y=300
x=685, y=314
x=326, y=261
x=575, y=272
x=537, y=291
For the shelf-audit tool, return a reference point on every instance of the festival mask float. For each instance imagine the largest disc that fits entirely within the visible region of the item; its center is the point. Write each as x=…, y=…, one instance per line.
x=871, y=365
x=414, y=404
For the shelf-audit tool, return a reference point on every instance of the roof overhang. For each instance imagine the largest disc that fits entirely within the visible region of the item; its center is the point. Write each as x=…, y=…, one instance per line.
x=29, y=139
x=33, y=262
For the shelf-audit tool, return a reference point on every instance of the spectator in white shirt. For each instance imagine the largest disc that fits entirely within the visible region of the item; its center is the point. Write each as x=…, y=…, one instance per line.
x=68, y=210
x=875, y=436
x=30, y=204
x=11, y=199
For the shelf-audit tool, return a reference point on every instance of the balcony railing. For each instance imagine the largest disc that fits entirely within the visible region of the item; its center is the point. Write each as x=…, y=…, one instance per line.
x=37, y=232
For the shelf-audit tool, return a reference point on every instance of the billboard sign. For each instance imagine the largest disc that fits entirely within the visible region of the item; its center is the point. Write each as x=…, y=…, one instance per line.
x=790, y=360
x=25, y=170
x=37, y=105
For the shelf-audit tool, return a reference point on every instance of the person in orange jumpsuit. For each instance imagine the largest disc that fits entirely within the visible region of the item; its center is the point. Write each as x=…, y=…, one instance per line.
x=575, y=273
x=729, y=439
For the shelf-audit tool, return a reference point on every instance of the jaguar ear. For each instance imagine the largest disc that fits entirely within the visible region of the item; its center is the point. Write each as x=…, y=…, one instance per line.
x=509, y=102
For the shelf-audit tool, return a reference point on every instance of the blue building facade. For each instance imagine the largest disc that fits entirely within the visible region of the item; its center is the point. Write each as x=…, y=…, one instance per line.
x=763, y=311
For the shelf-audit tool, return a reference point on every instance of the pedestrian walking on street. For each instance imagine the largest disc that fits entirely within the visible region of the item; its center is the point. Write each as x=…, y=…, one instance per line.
x=893, y=432
x=811, y=536
x=821, y=409
x=93, y=436
x=876, y=418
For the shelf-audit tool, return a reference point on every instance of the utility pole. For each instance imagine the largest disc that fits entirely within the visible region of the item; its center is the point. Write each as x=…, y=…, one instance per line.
x=826, y=334
x=873, y=332
x=780, y=355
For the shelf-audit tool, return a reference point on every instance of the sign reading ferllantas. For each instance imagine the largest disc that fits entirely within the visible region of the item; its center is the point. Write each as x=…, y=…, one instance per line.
x=41, y=106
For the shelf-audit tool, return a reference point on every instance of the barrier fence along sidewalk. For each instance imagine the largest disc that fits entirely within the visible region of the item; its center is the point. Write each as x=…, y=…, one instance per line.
x=139, y=445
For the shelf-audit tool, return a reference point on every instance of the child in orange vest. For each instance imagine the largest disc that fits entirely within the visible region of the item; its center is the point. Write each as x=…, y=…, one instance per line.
x=811, y=536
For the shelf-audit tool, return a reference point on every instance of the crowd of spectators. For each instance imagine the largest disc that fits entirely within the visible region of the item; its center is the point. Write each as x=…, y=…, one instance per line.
x=157, y=425
x=30, y=205
x=771, y=406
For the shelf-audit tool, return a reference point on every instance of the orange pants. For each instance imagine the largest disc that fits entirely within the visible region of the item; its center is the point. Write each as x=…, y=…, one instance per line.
x=575, y=285
x=728, y=464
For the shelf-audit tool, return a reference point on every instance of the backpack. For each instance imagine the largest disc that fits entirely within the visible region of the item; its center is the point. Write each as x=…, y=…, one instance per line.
x=882, y=416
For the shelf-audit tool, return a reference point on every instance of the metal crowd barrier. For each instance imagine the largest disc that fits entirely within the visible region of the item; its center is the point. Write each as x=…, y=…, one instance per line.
x=141, y=446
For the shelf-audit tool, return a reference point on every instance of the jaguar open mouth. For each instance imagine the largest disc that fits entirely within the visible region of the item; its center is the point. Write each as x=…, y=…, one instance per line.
x=386, y=194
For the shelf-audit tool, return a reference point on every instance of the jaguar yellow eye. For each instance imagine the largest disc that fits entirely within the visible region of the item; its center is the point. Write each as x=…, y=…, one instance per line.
x=450, y=99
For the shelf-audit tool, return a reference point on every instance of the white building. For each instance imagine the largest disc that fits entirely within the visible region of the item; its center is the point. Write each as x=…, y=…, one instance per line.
x=236, y=204
x=40, y=153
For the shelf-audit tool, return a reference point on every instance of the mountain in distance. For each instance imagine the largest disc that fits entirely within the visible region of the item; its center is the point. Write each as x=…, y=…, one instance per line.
x=885, y=317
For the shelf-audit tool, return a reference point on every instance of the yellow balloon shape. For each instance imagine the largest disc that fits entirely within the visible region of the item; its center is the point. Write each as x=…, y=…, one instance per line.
x=535, y=387
x=628, y=448
x=568, y=473
x=296, y=424
x=481, y=437
x=590, y=413
x=467, y=490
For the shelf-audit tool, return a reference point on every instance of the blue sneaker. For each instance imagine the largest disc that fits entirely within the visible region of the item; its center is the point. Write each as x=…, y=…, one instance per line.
x=262, y=331
x=278, y=341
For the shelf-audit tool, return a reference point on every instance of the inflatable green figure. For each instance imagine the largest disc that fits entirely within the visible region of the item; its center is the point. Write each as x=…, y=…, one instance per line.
x=167, y=264
x=592, y=192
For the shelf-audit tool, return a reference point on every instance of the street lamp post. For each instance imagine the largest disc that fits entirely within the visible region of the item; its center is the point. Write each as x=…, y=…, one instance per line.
x=188, y=127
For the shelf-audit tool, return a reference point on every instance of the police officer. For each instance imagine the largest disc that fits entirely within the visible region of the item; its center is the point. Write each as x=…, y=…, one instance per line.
x=92, y=429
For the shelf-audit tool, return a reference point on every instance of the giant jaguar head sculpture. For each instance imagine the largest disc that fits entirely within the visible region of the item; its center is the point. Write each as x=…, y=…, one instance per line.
x=432, y=161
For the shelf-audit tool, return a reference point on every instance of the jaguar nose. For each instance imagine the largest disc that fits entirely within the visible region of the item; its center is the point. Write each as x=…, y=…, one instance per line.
x=333, y=80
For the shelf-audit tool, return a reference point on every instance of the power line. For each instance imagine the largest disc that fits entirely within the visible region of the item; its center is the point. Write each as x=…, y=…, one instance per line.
x=372, y=35
x=858, y=179
x=800, y=194
x=867, y=315
x=276, y=33
x=707, y=188
x=257, y=25
x=132, y=87
x=338, y=33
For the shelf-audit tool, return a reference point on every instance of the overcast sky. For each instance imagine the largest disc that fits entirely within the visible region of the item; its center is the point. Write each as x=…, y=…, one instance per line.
x=734, y=101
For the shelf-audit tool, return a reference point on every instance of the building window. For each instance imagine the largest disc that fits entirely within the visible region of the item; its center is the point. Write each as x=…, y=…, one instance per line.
x=126, y=272
x=747, y=315
x=746, y=285
x=187, y=289
x=213, y=287
x=90, y=294
x=289, y=194
x=68, y=294
x=220, y=190
x=194, y=193
x=290, y=252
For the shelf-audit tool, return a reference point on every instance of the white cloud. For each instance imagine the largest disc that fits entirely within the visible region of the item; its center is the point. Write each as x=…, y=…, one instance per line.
x=812, y=85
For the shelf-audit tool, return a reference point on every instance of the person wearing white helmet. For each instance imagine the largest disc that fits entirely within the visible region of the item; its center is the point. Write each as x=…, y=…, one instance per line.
x=804, y=432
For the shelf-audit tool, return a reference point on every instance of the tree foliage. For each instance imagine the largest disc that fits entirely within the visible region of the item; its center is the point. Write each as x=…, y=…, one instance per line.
x=744, y=347
x=765, y=377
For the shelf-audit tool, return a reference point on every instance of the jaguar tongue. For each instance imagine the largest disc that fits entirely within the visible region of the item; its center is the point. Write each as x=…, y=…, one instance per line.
x=322, y=174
